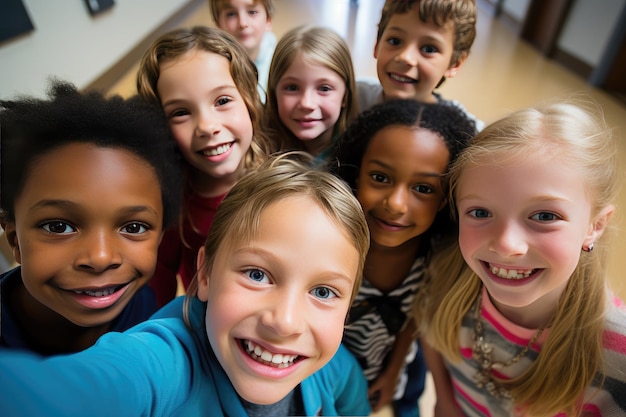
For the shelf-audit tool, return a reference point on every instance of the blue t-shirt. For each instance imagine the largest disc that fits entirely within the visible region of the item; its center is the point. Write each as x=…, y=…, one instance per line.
x=158, y=368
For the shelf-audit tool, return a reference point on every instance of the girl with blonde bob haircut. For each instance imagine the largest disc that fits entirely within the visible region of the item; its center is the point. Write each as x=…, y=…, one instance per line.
x=510, y=348
x=317, y=47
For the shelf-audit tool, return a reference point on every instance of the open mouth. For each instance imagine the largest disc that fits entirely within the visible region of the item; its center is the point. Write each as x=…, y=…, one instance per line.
x=218, y=150
x=277, y=360
x=514, y=274
x=401, y=79
x=101, y=292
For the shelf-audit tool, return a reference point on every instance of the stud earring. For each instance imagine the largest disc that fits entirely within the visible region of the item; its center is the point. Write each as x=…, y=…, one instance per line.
x=589, y=248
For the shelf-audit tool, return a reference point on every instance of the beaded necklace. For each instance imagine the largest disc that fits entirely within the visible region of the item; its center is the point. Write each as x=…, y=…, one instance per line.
x=483, y=354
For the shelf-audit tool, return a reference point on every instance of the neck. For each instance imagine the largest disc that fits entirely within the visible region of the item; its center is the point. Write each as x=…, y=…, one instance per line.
x=208, y=186
x=318, y=145
x=386, y=267
x=47, y=332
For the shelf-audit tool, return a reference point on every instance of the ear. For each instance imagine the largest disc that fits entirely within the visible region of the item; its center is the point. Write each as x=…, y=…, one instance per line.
x=11, y=235
x=203, y=275
x=454, y=68
x=268, y=25
x=376, y=50
x=599, y=224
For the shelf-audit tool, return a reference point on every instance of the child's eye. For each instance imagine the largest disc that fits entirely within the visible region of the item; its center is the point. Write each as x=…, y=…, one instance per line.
x=135, y=228
x=323, y=293
x=256, y=275
x=424, y=189
x=58, y=227
x=223, y=100
x=393, y=41
x=325, y=88
x=429, y=49
x=378, y=177
x=253, y=12
x=545, y=216
x=177, y=113
x=478, y=213
x=230, y=14
x=290, y=87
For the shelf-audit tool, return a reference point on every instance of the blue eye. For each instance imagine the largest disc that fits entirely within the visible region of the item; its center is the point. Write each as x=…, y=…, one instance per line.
x=58, y=227
x=324, y=293
x=256, y=275
x=478, y=213
x=545, y=216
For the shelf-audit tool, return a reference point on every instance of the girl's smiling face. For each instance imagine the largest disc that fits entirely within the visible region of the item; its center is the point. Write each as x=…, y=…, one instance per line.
x=310, y=98
x=87, y=227
x=522, y=228
x=207, y=115
x=400, y=183
x=275, y=311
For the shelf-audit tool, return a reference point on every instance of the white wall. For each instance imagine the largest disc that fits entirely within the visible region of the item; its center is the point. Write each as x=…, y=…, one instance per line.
x=589, y=27
x=71, y=44
x=516, y=8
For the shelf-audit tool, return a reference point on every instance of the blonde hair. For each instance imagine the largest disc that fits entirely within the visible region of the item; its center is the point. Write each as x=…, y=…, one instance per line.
x=319, y=45
x=571, y=356
x=460, y=12
x=217, y=6
x=290, y=174
x=179, y=42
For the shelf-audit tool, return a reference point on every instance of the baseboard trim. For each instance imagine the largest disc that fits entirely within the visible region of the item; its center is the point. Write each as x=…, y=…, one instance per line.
x=112, y=75
x=572, y=63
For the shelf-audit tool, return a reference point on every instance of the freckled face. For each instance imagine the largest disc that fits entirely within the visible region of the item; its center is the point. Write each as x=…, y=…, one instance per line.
x=399, y=185
x=291, y=286
x=88, y=224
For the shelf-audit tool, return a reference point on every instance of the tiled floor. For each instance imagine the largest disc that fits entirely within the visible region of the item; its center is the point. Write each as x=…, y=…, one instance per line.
x=502, y=74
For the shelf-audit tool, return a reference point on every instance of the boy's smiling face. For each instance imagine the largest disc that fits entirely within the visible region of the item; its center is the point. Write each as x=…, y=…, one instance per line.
x=88, y=223
x=276, y=305
x=413, y=56
x=247, y=21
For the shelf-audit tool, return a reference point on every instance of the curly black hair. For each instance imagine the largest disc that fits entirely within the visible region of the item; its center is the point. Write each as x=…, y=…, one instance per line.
x=31, y=127
x=446, y=120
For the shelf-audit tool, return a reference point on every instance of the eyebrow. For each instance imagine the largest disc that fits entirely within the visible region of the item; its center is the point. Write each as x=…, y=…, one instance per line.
x=70, y=205
x=421, y=174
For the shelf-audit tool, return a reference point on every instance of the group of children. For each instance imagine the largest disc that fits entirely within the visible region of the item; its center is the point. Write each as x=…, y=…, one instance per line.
x=320, y=226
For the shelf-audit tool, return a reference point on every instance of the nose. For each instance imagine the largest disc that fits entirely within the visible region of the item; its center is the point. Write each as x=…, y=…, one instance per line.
x=397, y=200
x=408, y=55
x=306, y=100
x=207, y=125
x=284, y=316
x=508, y=239
x=99, y=252
x=243, y=20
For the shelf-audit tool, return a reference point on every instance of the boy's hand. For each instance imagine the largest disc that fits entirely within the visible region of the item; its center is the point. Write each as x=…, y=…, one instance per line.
x=381, y=391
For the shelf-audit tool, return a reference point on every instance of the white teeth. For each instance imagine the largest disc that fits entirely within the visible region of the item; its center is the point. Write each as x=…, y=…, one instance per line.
x=401, y=78
x=265, y=356
x=511, y=273
x=101, y=293
x=218, y=151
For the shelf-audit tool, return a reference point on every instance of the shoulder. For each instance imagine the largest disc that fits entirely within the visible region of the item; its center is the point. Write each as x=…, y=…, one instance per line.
x=369, y=92
x=480, y=125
